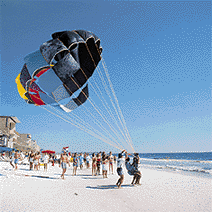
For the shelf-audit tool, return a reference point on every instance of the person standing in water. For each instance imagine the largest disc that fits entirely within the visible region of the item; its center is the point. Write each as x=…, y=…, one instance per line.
x=63, y=163
x=120, y=166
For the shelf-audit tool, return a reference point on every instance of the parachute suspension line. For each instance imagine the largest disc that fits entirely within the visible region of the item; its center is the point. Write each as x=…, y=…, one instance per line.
x=108, y=93
x=97, y=132
x=88, y=131
x=78, y=117
x=95, y=67
x=116, y=100
x=97, y=110
x=86, y=126
x=106, y=106
x=66, y=116
x=99, y=124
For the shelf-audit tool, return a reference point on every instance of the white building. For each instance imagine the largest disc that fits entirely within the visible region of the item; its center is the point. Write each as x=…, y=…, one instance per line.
x=8, y=134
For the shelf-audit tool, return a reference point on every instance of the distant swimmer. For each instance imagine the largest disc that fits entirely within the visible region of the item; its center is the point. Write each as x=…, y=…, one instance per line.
x=63, y=163
x=120, y=166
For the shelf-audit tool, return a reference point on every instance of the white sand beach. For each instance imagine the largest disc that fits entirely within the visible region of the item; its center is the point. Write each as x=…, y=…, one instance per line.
x=25, y=190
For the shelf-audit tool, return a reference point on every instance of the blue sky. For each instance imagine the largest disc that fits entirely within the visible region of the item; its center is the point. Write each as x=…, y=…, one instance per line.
x=158, y=56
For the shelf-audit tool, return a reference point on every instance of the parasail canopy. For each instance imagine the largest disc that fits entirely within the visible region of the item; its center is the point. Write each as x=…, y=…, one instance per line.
x=59, y=68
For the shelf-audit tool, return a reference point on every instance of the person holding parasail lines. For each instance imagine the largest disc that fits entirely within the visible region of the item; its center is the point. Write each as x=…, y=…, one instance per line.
x=133, y=171
x=120, y=166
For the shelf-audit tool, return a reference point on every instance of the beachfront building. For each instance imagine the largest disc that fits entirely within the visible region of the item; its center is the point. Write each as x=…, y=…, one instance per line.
x=23, y=142
x=34, y=146
x=8, y=133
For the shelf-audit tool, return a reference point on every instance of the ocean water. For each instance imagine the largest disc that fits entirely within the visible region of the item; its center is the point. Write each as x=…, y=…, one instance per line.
x=199, y=164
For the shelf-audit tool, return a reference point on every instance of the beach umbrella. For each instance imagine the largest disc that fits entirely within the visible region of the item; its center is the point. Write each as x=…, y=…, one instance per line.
x=5, y=149
x=48, y=151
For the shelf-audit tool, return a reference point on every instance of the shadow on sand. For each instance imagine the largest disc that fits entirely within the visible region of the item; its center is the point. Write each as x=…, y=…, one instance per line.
x=91, y=178
x=84, y=175
x=37, y=176
x=109, y=186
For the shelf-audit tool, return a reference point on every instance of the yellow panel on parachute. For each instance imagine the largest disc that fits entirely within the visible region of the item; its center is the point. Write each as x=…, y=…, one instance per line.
x=21, y=89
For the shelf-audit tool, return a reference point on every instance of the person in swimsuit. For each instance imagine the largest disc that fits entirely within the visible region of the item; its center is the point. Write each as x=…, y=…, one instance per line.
x=75, y=161
x=88, y=160
x=98, y=163
x=94, y=164
x=12, y=159
x=120, y=166
x=45, y=161
x=111, y=162
x=36, y=160
x=85, y=158
x=105, y=160
x=114, y=159
x=39, y=160
x=31, y=159
x=17, y=157
x=81, y=160
x=63, y=163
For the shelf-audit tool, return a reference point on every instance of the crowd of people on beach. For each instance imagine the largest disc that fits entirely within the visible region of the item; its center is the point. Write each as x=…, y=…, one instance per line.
x=97, y=161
